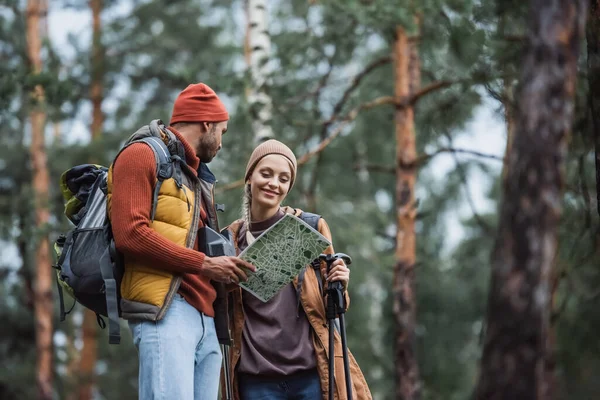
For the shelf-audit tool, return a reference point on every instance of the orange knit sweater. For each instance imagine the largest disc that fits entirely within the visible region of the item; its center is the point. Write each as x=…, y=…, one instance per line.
x=134, y=177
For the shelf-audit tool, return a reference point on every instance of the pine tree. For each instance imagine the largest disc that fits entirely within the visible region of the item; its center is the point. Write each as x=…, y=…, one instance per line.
x=36, y=13
x=518, y=318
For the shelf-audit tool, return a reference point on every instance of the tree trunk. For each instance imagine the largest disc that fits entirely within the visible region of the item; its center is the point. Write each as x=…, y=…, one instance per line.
x=507, y=101
x=259, y=45
x=97, y=73
x=87, y=364
x=36, y=14
x=510, y=124
x=406, y=67
x=593, y=48
x=515, y=352
x=56, y=135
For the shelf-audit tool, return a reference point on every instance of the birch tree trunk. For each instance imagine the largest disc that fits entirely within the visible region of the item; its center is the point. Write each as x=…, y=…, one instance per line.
x=515, y=352
x=259, y=48
x=36, y=20
x=406, y=67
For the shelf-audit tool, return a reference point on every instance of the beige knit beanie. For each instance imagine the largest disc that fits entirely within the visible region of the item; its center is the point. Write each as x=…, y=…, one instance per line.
x=271, y=146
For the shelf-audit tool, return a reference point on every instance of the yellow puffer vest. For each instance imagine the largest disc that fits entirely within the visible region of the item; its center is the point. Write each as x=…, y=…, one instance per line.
x=147, y=292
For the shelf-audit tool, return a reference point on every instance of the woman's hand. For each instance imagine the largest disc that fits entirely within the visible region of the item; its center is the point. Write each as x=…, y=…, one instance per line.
x=339, y=272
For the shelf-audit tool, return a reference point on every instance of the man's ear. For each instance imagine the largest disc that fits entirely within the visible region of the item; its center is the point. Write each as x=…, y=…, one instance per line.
x=205, y=126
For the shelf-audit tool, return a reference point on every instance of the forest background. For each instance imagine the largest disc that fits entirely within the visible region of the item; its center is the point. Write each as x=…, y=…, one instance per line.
x=402, y=115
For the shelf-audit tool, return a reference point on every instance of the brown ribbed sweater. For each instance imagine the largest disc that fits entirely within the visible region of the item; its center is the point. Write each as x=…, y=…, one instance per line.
x=134, y=177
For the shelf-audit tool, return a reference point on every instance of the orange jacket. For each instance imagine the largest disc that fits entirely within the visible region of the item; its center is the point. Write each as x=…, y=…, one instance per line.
x=314, y=307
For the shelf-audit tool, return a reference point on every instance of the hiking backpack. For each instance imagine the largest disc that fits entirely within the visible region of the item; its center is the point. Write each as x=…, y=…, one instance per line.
x=89, y=268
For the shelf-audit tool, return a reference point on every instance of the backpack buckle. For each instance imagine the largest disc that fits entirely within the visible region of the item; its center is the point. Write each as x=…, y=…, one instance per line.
x=165, y=171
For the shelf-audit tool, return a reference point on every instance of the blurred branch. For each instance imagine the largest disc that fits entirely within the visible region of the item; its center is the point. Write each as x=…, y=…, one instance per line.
x=312, y=183
x=514, y=38
x=355, y=82
x=424, y=158
x=389, y=169
x=371, y=167
x=575, y=287
x=432, y=87
x=351, y=116
x=317, y=94
x=463, y=177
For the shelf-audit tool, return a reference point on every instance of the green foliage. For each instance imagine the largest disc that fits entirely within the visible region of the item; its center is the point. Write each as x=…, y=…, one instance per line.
x=159, y=47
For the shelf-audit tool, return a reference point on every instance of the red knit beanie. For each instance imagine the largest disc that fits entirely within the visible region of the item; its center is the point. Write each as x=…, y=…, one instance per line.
x=198, y=103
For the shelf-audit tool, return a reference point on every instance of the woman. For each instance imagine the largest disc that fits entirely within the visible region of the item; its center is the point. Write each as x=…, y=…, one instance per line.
x=280, y=347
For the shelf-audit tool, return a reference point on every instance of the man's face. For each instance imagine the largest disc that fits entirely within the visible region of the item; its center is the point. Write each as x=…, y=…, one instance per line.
x=210, y=141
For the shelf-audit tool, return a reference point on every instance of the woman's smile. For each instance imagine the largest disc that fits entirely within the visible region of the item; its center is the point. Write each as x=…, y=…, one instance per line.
x=270, y=193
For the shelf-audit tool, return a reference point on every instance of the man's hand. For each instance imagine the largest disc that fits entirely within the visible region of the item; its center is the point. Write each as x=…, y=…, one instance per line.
x=339, y=272
x=226, y=269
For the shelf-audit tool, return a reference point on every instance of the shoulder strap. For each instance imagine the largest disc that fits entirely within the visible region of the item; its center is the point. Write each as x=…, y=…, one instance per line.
x=164, y=166
x=313, y=221
x=235, y=228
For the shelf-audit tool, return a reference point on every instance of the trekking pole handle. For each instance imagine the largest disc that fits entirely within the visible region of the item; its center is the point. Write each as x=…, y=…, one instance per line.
x=330, y=258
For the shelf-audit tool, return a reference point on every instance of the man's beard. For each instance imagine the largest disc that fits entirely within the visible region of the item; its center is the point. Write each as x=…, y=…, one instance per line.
x=208, y=146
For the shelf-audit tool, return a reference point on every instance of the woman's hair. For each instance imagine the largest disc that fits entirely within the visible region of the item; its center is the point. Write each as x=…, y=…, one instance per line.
x=246, y=204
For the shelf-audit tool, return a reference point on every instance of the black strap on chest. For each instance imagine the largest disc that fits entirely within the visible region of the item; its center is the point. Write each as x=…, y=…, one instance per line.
x=313, y=221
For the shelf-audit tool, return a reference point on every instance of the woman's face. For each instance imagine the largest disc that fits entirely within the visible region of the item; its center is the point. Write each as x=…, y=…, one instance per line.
x=270, y=181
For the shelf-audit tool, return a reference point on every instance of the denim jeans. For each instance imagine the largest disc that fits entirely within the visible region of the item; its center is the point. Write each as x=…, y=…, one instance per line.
x=179, y=356
x=300, y=386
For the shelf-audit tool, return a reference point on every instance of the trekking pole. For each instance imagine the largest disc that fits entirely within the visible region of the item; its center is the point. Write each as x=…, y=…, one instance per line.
x=226, y=372
x=215, y=244
x=336, y=307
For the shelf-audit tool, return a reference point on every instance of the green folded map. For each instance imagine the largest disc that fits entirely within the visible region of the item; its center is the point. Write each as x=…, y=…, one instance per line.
x=279, y=254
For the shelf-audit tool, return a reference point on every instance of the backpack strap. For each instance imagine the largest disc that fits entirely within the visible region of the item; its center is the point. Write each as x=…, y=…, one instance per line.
x=112, y=302
x=313, y=221
x=65, y=243
x=165, y=168
x=169, y=157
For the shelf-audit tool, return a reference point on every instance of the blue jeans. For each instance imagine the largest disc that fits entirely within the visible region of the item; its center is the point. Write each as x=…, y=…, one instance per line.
x=300, y=386
x=179, y=356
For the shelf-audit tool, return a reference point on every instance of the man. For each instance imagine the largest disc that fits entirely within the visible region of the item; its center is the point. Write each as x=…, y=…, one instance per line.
x=166, y=290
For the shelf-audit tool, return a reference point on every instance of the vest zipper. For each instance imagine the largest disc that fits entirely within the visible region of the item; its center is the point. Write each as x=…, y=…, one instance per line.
x=212, y=195
x=191, y=238
x=186, y=197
